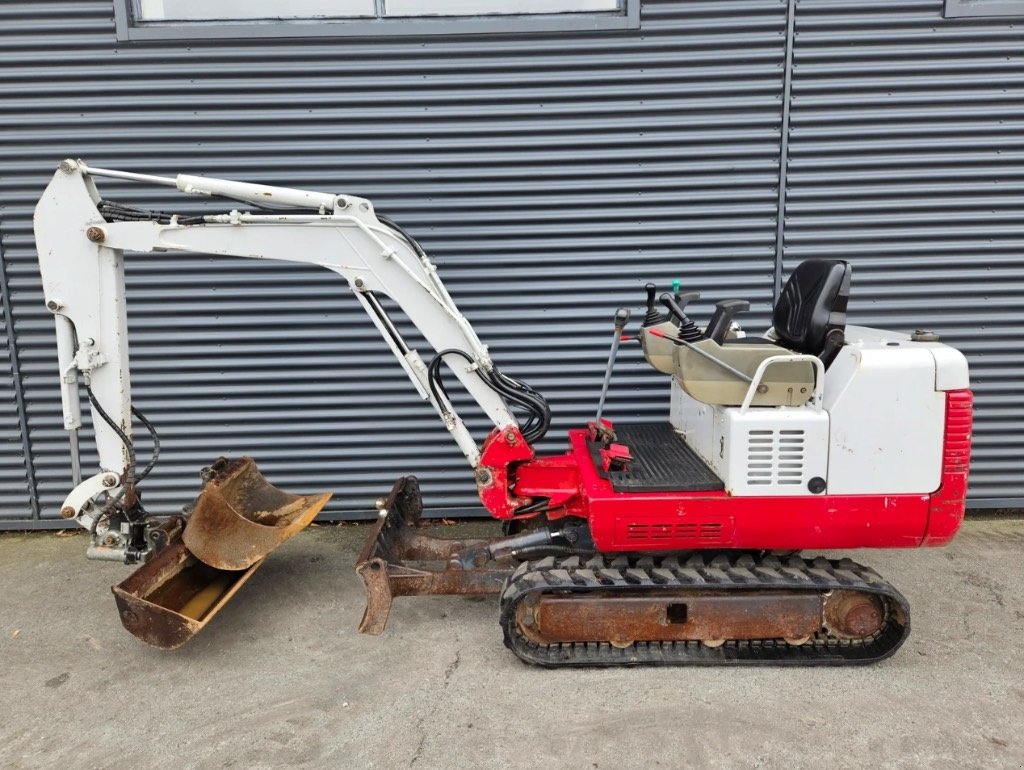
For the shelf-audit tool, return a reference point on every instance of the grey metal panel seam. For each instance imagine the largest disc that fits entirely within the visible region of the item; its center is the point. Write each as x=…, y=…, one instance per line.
x=983, y=8
x=787, y=90
x=19, y=396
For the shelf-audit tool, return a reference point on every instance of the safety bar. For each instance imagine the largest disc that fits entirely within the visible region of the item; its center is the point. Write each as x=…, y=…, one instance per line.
x=819, y=378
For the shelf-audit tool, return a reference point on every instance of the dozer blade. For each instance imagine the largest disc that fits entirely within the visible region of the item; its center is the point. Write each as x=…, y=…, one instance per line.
x=237, y=520
x=399, y=559
x=240, y=517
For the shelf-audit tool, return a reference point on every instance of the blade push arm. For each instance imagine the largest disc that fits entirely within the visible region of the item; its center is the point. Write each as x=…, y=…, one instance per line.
x=82, y=266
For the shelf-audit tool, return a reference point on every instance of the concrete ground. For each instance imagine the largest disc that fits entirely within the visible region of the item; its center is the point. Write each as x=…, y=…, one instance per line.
x=281, y=678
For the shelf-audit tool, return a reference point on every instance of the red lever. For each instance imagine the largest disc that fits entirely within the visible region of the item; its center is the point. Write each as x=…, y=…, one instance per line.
x=616, y=457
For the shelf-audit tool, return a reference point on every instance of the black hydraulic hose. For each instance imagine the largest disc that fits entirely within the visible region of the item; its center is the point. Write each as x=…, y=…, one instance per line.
x=541, y=506
x=437, y=388
x=542, y=405
x=515, y=391
x=398, y=229
x=539, y=414
x=129, y=476
x=112, y=211
x=561, y=550
x=156, y=443
x=129, y=480
x=519, y=393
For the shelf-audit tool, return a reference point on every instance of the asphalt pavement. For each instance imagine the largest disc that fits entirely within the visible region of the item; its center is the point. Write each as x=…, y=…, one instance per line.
x=281, y=678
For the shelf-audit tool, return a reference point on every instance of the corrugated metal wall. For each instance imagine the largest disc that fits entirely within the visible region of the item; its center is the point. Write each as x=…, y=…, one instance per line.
x=16, y=502
x=549, y=176
x=906, y=157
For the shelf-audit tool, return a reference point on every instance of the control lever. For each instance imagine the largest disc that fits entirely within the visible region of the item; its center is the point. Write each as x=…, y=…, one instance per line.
x=621, y=319
x=685, y=298
x=652, y=317
x=688, y=330
x=677, y=304
x=721, y=320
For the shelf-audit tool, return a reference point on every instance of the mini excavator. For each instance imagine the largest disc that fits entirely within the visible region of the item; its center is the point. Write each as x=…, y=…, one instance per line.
x=669, y=543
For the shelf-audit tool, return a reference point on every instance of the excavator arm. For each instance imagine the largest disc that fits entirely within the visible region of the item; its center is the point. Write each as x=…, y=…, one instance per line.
x=81, y=240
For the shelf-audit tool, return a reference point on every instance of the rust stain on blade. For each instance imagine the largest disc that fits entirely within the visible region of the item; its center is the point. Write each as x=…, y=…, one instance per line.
x=240, y=517
x=399, y=559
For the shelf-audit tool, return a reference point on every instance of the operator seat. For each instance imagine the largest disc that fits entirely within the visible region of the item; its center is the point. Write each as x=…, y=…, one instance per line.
x=809, y=319
x=810, y=316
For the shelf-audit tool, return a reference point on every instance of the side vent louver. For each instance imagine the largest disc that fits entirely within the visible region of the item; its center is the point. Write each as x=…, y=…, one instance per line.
x=676, y=531
x=775, y=457
x=705, y=532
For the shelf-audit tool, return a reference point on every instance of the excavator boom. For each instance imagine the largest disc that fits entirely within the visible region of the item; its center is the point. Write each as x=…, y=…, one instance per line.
x=81, y=241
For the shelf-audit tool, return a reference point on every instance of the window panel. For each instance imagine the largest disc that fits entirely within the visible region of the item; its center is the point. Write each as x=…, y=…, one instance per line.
x=214, y=19
x=495, y=7
x=956, y=9
x=203, y=10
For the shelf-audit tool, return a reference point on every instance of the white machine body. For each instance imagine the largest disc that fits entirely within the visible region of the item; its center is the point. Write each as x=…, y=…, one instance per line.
x=877, y=430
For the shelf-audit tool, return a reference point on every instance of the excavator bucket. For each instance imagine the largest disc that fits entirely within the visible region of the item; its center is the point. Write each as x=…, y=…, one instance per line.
x=237, y=520
x=173, y=596
x=240, y=517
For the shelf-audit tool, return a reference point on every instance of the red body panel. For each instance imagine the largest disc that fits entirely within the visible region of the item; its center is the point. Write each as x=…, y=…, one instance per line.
x=679, y=521
x=658, y=522
x=947, y=504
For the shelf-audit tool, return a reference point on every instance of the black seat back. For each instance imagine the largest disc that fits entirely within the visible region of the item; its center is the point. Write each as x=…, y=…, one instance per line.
x=810, y=316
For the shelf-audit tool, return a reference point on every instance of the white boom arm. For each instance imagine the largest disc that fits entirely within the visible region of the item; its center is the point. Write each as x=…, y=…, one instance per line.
x=82, y=265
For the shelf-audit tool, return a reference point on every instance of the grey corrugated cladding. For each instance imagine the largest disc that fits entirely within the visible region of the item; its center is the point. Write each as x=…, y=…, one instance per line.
x=906, y=157
x=15, y=501
x=549, y=176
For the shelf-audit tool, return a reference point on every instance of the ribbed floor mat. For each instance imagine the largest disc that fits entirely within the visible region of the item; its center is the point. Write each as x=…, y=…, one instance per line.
x=662, y=462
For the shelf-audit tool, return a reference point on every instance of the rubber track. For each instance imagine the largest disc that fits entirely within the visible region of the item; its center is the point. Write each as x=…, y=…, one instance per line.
x=740, y=572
